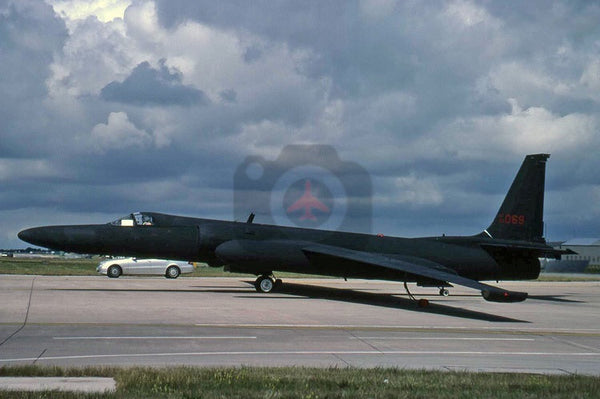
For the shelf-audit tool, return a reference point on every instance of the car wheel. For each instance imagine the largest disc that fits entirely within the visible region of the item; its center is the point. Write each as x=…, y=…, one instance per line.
x=114, y=271
x=172, y=272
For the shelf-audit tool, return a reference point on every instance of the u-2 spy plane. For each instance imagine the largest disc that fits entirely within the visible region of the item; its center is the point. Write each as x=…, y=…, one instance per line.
x=509, y=249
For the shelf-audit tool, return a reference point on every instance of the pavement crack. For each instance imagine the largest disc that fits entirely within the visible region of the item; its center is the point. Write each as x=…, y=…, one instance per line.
x=365, y=342
x=40, y=355
x=26, y=315
x=575, y=344
x=567, y=372
x=341, y=360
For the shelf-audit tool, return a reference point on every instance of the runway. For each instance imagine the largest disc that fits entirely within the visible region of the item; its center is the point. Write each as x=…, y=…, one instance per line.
x=80, y=321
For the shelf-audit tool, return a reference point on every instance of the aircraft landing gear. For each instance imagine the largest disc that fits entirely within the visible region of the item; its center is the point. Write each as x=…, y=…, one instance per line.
x=444, y=291
x=266, y=283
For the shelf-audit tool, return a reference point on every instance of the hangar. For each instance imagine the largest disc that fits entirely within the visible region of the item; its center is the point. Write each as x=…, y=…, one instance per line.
x=586, y=258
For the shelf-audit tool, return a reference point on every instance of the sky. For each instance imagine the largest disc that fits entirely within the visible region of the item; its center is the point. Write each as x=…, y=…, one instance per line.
x=114, y=106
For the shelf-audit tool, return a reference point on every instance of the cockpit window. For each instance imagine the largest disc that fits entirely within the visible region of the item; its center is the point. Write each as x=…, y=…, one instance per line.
x=142, y=219
x=135, y=219
x=126, y=221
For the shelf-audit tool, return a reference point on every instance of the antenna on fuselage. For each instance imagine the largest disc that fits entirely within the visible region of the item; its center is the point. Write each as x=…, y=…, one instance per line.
x=250, y=218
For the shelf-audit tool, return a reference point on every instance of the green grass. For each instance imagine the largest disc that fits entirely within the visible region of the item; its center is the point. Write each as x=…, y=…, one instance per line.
x=567, y=278
x=593, y=269
x=296, y=382
x=87, y=267
x=49, y=266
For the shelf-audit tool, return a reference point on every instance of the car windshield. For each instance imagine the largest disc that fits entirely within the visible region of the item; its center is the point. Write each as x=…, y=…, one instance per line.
x=134, y=219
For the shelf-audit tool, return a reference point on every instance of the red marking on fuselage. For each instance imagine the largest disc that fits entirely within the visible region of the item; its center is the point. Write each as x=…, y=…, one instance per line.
x=308, y=202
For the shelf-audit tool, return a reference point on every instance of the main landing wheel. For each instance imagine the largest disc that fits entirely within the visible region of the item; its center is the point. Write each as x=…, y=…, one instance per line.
x=264, y=284
x=444, y=292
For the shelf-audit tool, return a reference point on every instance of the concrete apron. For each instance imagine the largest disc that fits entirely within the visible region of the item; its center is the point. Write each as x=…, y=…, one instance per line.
x=73, y=384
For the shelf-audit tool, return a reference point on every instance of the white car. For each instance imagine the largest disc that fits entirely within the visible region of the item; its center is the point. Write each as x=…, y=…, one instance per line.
x=170, y=269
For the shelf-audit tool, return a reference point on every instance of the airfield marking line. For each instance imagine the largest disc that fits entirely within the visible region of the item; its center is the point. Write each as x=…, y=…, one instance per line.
x=299, y=353
x=542, y=330
x=443, y=339
x=152, y=337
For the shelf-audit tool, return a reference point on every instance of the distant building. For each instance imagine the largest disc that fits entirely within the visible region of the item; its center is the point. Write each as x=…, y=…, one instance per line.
x=587, y=256
x=586, y=248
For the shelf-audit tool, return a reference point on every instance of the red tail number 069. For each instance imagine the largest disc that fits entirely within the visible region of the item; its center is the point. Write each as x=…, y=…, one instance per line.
x=507, y=218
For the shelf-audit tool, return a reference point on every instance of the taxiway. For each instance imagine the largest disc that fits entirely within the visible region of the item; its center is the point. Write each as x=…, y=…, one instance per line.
x=79, y=321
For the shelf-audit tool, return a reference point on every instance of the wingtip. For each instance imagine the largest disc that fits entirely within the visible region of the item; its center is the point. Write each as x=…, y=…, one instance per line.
x=504, y=296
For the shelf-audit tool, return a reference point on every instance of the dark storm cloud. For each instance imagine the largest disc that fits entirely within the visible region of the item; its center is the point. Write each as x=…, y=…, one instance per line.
x=148, y=86
x=30, y=35
x=228, y=95
x=408, y=49
x=438, y=100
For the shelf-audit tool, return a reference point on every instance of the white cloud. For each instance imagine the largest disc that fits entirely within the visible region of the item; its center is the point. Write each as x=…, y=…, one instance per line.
x=119, y=133
x=209, y=58
x=534, y=129
x=104, y=10
x=94, y=55
x=417, y=191
x=468, y=14
x=528, y=83
x=410, y=89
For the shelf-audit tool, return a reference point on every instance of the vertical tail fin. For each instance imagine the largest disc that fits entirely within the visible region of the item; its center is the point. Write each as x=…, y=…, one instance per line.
x=521, y=215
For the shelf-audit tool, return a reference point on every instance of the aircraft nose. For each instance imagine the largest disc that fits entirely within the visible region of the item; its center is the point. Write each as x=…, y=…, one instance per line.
x=40, y=236
x=26, y=235
x=76, y=238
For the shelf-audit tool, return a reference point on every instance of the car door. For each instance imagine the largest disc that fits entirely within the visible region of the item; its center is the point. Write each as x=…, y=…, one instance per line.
x=157, y=266
x=139, y=266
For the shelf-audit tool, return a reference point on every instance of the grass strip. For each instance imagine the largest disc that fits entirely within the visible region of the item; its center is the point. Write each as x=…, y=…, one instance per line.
x=87, y=267
x=567, y=278
x=592, y=269
x=299, y=382
x=49, y=266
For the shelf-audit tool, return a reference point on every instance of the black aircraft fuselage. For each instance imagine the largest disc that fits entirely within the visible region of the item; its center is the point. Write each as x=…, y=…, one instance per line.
x=507, y=250
x=260, y=249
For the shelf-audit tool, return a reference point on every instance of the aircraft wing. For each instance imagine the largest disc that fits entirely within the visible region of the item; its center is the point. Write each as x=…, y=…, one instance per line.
x=430, y=270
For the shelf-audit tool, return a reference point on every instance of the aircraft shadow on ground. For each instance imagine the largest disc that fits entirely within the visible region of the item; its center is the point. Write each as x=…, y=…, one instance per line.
x=553, y=298
x=334, y=294
x=383, y=300
x=173, y=290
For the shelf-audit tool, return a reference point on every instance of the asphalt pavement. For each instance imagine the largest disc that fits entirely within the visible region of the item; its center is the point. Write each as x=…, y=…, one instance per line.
x=80, y=321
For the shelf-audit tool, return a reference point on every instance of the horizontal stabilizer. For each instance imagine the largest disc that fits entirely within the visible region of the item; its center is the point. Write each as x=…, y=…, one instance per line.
x=539, y=251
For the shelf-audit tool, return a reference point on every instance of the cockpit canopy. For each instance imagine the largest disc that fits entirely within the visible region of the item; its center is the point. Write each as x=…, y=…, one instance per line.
x=134, y=219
